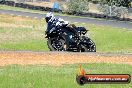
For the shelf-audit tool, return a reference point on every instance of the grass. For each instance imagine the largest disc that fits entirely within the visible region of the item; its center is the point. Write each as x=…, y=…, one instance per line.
x=21, y=33
x=38, y=76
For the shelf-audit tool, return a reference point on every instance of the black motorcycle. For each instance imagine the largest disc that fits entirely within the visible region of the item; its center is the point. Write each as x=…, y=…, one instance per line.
x=69, y=38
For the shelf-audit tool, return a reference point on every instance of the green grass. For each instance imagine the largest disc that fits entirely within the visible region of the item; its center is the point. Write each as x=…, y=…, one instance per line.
x=38, y=76
x=21, y=33
x=34, y=45
x=24, y=34
x=109, y=39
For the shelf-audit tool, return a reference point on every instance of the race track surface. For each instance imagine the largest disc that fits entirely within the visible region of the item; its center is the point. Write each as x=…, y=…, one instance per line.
x=112, y=23
x=60, y=58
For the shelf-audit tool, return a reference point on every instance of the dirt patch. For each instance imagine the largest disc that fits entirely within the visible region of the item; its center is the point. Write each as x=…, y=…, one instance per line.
x=59, y=58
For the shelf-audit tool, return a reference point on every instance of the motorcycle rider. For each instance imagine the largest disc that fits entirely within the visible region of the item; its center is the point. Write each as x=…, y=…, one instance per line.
x=56, y=22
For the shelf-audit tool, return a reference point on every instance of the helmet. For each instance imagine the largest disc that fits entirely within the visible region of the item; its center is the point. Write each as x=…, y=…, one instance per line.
x=49, y=16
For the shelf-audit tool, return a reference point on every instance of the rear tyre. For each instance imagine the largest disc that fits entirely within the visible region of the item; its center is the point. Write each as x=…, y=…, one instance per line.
x=57, y=44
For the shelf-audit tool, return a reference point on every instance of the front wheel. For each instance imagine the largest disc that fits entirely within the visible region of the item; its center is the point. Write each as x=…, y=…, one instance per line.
x=88, y=45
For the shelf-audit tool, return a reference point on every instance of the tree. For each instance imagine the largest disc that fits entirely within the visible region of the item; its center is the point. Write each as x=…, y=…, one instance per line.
x=124, y=3
x=113, y=10
x=77, y=6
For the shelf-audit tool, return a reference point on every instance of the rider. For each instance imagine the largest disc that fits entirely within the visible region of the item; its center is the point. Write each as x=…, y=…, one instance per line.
x=52, y=21
x=58, y=22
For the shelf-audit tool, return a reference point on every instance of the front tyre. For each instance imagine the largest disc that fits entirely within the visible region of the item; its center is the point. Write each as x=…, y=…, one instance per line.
x=88, y=45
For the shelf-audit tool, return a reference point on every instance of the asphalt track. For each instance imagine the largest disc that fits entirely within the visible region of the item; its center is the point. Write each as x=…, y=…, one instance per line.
x=113, y=23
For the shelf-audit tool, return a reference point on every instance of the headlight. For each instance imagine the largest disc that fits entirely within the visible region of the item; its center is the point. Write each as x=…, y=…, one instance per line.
x=87, y=35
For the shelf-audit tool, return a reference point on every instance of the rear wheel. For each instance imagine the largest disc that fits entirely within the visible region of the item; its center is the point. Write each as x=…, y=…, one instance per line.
x=57, y=44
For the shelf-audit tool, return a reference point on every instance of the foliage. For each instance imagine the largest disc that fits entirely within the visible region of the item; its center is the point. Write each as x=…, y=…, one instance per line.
x=77, y=6
x=113, y=10
x=124, y=3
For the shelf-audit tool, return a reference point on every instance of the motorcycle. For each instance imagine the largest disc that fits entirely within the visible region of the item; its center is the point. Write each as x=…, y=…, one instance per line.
x=69, y=38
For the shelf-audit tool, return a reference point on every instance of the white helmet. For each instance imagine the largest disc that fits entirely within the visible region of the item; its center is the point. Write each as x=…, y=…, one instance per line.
x=49, y=16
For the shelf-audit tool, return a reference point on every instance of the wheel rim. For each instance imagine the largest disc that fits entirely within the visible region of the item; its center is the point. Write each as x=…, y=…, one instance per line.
x=58, y=44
